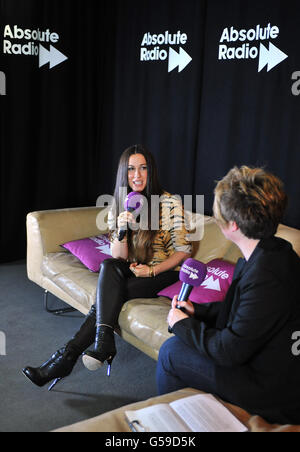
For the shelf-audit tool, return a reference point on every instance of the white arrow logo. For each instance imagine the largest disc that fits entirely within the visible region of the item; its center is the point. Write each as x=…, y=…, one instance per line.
x=270, y=57
x=104, y=249
x=181, y=59
x=212, y=284
x=54, y=56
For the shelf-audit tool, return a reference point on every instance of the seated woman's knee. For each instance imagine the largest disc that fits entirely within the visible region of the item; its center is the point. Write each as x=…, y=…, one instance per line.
x=111, y=262
x=168, y=349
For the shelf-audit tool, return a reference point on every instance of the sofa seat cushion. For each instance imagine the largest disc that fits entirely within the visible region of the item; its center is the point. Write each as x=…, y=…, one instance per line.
x=70, y=275
x=146, y=319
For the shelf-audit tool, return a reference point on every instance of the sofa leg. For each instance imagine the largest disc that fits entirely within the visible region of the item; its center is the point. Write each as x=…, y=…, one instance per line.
x=55, y=311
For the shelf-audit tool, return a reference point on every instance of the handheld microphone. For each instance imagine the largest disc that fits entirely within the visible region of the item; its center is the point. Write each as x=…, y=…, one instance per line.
x=132, y=203
x=192, y=274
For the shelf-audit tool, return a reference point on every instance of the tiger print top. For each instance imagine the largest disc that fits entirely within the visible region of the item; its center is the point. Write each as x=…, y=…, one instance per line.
x=172, y=233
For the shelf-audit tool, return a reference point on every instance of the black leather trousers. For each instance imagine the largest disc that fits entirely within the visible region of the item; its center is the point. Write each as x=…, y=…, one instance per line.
x=116, y=285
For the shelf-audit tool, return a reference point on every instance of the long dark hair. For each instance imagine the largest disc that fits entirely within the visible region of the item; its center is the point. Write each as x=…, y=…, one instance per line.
x=142, y=252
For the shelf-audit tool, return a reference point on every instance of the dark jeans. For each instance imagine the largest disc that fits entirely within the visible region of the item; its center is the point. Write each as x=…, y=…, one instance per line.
x=179, y=367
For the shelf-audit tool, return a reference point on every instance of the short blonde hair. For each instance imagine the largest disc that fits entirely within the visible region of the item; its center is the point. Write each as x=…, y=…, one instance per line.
x=252, y=197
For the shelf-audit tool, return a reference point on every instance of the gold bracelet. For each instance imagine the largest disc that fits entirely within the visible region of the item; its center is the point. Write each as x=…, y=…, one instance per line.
x=151, y=271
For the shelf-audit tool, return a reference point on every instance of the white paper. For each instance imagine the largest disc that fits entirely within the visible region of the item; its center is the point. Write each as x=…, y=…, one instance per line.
x=197, y=413
x=156, y=418
x=204, y=413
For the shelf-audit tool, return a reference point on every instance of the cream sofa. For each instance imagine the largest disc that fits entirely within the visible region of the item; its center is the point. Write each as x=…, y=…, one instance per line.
x=142, y=321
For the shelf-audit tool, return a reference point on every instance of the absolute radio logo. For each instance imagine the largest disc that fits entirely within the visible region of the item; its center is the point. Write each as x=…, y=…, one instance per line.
x=20, y=41
x=157, y=47
x=250, y=47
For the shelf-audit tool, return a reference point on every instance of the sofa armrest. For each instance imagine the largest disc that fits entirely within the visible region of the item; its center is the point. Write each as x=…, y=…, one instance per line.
x=48, y=229
x=292, y=235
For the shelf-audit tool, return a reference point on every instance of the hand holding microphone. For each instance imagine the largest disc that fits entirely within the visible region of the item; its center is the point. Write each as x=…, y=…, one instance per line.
x=192, y=274
x=184, y=306
x=132, y=204
x=180, y=310
x=124, y=219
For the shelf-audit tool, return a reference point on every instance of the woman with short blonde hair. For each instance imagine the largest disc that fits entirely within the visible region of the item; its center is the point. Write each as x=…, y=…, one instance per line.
x=253, y=198
x=241, y=349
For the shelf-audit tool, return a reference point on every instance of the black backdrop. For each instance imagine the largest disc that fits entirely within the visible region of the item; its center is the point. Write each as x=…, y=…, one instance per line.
x=63, y=129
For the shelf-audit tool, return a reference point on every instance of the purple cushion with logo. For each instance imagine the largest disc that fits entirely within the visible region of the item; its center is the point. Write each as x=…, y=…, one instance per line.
x=214, y=287
x=91, y=251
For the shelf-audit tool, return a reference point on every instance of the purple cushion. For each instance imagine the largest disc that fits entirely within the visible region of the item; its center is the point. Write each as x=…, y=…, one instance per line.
x=214, y=287
x=91, y=251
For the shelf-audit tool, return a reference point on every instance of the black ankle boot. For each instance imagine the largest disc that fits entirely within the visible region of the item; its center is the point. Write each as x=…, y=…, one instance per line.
x=105, y=349
x=59, y=366
x=61, y=363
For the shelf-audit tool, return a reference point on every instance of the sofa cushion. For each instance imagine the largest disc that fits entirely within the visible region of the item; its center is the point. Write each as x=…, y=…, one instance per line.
x=146, y=319
x=91, y=251
x=70, y=275
x=214, y=287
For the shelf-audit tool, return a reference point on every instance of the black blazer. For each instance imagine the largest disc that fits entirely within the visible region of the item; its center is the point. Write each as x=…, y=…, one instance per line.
x=249, y=336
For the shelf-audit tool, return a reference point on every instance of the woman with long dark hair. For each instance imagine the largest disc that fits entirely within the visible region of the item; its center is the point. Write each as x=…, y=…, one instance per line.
x=143, y=263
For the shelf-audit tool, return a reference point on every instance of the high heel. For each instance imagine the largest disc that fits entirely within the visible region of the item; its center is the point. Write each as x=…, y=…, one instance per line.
x=93, y=361
x=105, y=350
x=61, y=363
x=54, y=384
x=59, y=366
x=109, y=363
